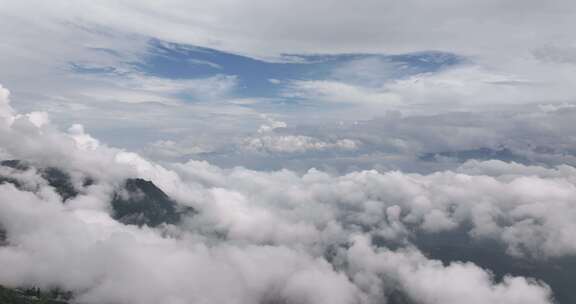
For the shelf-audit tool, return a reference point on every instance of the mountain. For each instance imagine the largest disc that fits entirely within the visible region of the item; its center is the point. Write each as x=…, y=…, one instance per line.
x=32, y=296
x=136, y=202
x=55, y=177
x=141, y=202
x=558, y=273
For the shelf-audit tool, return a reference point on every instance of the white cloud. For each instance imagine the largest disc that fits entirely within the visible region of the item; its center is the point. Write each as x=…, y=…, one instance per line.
x=270, y=125
x=265, y=233
x=340, y=92
x=461, y=88
x=204, y=62
x=296, y=144
x=105, y=261
x=428, y=281
x=506, y=66
x=6, y=111
x=253, y=27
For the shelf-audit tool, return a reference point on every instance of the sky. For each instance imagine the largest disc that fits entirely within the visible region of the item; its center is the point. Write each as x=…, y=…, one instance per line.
x=181, y=80
x=333, y=123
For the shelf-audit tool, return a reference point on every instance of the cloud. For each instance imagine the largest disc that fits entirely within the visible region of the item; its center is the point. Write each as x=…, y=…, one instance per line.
x=530, y=215
x=270, y=125
x=171, y=149
x=296, y=144
x=538, y=134
x=205, y=62
x=339, y=92
x=100, y=80
x=265, y=233
x=6, y=110
x=102, y=260
x=467, y=87
x=135, y=88
x=298, y=234
x=463, y=27
x=428, y=281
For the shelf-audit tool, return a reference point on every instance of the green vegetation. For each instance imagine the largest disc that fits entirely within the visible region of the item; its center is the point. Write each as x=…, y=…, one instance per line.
x=33, y=295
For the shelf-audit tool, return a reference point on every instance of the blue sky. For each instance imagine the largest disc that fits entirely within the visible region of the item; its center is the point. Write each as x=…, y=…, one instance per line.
x=257, y=77
x=263, y=78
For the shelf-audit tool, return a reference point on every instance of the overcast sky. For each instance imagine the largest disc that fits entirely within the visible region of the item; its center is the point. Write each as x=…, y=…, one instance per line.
x=259, y=83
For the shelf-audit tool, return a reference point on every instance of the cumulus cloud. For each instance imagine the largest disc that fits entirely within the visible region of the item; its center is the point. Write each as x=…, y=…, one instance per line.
x=92, y=255
x=296, y=144
x=428, y=281
x=268, y=141
x=271, y=236
x=530, y=215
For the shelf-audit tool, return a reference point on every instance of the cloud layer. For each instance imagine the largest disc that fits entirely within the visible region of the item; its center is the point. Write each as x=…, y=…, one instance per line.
x=268, y=237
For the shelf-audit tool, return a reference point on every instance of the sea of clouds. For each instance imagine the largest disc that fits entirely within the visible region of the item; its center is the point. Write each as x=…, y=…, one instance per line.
x=271, y=236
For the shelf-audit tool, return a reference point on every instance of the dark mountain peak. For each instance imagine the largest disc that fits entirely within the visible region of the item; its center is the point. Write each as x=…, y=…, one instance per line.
x=3, y=237
x=56, y=178
x=61, y=182
x=137, y=201
x=15, y=164
x=140, y=202
x=147, y=187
